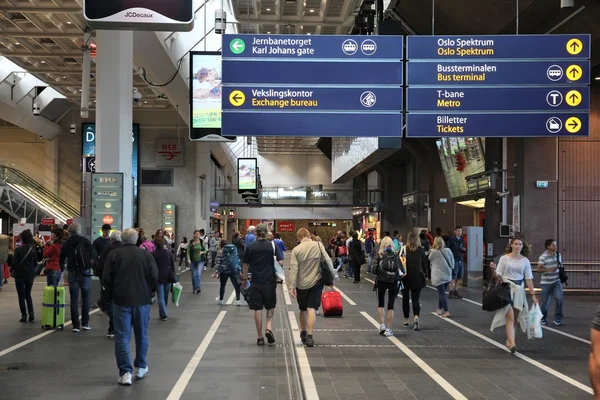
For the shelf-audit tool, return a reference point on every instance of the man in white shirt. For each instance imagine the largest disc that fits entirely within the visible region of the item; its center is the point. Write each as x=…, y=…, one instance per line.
x=349, y=272
x=548, y=265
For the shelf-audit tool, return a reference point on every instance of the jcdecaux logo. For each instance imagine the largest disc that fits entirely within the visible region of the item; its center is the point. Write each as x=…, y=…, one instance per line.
x=237, y=46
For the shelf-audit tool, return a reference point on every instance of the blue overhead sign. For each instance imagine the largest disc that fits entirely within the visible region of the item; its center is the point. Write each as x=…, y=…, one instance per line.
x=498, y=125
x=473, y=81
x=499, y=99
x=529, y=47
x=275, y=85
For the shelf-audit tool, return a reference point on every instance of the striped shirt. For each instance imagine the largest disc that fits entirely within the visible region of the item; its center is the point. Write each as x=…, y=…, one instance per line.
x=548, y=261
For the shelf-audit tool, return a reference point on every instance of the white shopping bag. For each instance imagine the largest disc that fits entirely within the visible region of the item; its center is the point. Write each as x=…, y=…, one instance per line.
x=534, y=323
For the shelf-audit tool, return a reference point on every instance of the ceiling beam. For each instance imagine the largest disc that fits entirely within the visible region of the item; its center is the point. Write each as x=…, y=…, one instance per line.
x=41, y=10
x=294, y=20
x=40, y=54
x=51, y=35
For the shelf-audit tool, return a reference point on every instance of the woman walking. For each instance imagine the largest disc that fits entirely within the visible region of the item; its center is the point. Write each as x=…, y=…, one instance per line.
x=513, y=268
x=166, y=275
x=195, y=255
x=388, y=270
x=182, y=252
x=52, y=255
x=442, y=264
x=23, y=269
x=227, y=267
x=414, y=281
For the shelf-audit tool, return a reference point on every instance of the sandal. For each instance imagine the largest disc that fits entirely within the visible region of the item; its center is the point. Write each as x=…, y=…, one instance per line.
x=260, y=341
x=270, y=337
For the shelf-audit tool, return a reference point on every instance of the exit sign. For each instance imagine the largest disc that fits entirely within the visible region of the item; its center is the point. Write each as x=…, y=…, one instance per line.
x=541, y=184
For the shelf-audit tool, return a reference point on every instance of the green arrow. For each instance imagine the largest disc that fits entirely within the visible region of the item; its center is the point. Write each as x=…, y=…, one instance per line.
x=237, y=46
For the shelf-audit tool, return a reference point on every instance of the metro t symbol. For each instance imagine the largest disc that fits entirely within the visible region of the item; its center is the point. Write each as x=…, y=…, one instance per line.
x=554, y=97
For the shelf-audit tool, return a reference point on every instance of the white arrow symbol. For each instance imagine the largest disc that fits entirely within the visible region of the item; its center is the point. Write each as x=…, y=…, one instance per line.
x=236, y=46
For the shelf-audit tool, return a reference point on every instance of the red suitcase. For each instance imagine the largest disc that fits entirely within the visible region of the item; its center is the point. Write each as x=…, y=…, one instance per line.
x=332, y=304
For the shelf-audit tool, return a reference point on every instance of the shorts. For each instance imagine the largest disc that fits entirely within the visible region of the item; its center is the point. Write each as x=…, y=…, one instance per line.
x=309, y=298
x=263, y=296
x=458, y=271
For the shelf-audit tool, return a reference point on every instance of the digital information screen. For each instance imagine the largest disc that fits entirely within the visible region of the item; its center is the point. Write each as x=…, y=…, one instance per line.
x=247, y=175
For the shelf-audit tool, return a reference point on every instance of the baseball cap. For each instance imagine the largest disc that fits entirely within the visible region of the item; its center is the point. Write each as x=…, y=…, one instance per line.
x=261, y=228
x=106, y=227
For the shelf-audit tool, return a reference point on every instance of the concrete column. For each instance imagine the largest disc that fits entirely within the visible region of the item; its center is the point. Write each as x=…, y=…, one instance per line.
x=114, y=121
x=204, y=183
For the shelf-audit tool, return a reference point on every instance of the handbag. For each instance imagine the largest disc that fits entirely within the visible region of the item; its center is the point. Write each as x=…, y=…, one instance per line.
x=402, y=257
x=327, y=277
x=40, y=267
x=447, y=262
x=562, y=274
x=496, y=296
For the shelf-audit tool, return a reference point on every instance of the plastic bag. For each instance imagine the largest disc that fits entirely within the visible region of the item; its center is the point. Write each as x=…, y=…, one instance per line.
x=279, y=273
x=534, y=323
x=177, y=289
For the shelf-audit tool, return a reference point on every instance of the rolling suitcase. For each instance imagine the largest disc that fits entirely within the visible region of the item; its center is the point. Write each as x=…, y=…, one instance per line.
x=53, y=307
x=331, y=301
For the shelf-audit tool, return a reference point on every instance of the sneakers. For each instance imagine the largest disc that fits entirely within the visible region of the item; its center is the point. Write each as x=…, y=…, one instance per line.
x=416, y=325
x=31, y=318
x=86, y=328
x=317, y=312
x=238, y=303
x=544, y=321
x=76, y=330
x=310, y=342
x=23, y=318
x=125, y=379
x=219, y=301
x=388, y=332
x=141, y=373
x=303, y=336
x=382, y=329
x=164, y=319
x=270, y=337
x=557, y=322
x=205, y=269
x=110, y=335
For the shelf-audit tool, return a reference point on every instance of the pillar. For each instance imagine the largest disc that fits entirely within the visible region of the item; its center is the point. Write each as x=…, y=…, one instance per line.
x=114, y=121
x=204, y=185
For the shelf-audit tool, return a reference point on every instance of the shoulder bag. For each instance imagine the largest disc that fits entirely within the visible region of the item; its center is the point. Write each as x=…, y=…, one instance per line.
x=562, y=274
x=402, y=257
x=14, y=270
x=327, y=277
x=496, y=296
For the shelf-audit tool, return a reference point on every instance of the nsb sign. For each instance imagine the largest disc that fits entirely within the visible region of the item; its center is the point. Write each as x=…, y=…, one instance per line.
x=169, y=152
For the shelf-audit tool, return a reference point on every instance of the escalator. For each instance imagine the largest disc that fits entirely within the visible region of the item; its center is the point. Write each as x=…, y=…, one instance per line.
x=22, y=197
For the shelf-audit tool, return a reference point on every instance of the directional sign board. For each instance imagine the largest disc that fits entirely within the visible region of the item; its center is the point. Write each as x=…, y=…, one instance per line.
x=464, y=86
x=107, y=201
x=276, y=85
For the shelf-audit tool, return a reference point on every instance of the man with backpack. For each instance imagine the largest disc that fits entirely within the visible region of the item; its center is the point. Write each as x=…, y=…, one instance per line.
x=77, y=252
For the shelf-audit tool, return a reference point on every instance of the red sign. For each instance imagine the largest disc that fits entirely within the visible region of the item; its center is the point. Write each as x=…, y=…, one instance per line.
x=287, y=226
x=108, y=219
x=70, y=221
x=48, y=221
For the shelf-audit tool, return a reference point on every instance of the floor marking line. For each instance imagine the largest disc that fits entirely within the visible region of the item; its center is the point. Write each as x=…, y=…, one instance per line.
x=308, y=381
x=543, y=326
x=286, y=294
x=231, y=298
x=189, y=370
x=531, y=361
x=37, y=337
x=447, y=386
x=348, y=299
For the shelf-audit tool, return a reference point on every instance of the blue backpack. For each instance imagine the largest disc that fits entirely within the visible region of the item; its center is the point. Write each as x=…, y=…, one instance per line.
x=231, y=260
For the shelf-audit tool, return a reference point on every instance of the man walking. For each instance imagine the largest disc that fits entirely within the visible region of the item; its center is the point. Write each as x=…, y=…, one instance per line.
x=130, y=277
x=77, y=252
x=305, y=281
x=258, y=261
x=115, y=243
x=369, y=249
x=548, y=265
x=213, y=247
x=457, y=245
x=250, y=236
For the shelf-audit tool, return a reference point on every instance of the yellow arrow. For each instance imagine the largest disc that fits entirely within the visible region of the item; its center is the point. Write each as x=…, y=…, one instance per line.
x=574, y=72
x=573, y=98
x=237, y=98
x=573, y=125
x=574, y=46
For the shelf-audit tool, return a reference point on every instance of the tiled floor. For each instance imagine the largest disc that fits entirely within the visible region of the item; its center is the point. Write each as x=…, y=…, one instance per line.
x=350, y=361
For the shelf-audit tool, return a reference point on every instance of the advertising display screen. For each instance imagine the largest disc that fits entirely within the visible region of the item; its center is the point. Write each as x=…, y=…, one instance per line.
x=247, y=174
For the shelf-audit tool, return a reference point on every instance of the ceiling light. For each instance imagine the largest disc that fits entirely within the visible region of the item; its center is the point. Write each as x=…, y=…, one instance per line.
x=17, y=43
x=43, y=62
x=308, y=33
x=145, y=102
x=268, y=33
x=597, y=78
x=311, y=10
x=268, y=9
x=69, y=22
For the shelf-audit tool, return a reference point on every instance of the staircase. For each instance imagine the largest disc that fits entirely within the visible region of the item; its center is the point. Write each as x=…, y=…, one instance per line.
x=22, y=197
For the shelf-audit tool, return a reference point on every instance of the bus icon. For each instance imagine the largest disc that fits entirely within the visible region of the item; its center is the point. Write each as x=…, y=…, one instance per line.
x=555, y=73
x=368, y=47
x=349, y=47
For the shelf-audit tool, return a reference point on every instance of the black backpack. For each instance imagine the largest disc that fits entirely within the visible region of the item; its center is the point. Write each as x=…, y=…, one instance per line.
x=81, y=259
x=389, y=266
x=562, y=274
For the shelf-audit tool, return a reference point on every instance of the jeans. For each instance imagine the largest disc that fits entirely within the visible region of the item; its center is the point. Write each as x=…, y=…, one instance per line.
x=549, y=290
x=369, y=261
x=234, y=281
x=162, y=293
x=126, y=317
x=341, y=260
x=442, y=300
x=197, y=274
x=53, y=277
x=24, y=292
x=77, y=281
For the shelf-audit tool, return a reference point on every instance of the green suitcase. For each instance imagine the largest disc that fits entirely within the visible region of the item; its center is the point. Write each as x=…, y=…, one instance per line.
x=53, y=307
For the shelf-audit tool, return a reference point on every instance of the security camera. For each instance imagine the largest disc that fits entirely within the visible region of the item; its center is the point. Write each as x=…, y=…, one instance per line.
x=220, y=21
x=73, y=129
x=137, y=96
x=503, y=194
x=36, y=109
x=567, y=3
x=203, y=176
